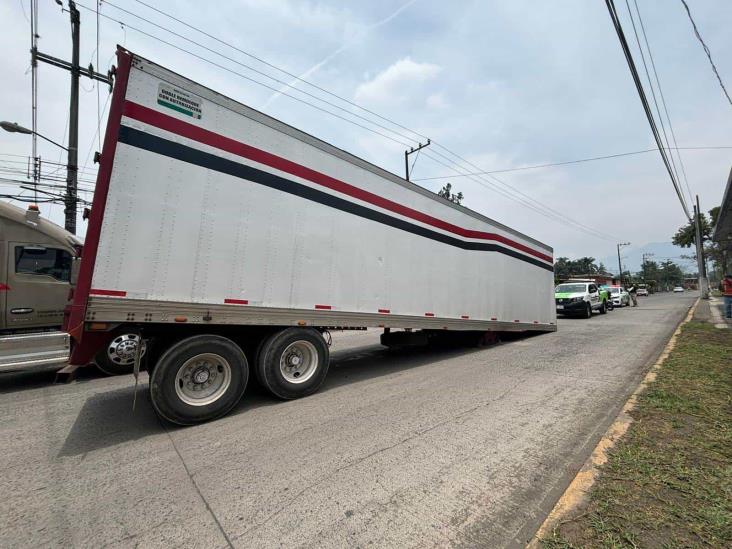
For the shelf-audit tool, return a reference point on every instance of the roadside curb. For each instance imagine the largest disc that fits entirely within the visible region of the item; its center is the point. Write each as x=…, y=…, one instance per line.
x=578, y=490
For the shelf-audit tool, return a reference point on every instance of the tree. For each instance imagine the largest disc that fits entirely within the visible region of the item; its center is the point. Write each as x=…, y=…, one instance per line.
x=686, y=235
x=446, y=192
x=686, y=238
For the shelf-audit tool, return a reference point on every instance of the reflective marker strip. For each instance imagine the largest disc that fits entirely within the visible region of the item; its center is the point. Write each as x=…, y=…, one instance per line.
x=465, y=317
x=237, y=301
x=384, y=311
x=323, y=307
x=4, y=287
x=112, y=293
x=429, y=314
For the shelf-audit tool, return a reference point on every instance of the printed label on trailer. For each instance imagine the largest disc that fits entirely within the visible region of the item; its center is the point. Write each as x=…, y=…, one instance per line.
x=179, y=101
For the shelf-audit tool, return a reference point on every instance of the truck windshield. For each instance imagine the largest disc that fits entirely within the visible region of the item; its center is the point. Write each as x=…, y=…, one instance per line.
x=570, y=288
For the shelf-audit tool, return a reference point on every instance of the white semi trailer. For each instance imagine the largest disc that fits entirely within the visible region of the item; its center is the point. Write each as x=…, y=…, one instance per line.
x=230, y=241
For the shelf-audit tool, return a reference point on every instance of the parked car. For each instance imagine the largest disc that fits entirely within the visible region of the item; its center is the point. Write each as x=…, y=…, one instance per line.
x=579, y=298
x=620, y=297
x=641, y=291
x=678, y=289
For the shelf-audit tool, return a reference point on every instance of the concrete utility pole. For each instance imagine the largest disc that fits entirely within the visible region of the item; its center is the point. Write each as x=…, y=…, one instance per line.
x=703, y=286
x=620, y=266
x=410, y=151
x=645, y=275
x=72, y=166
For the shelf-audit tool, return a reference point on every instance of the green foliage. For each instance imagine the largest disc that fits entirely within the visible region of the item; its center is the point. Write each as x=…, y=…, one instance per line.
x=565, y=267
x=446, y=193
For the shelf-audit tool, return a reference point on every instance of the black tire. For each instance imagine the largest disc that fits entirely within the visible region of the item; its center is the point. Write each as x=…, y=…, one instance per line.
x=116, y=358
x=202, y=356
x=588, y=311
x=303, y=344
x=603, y=308
x=610, y=305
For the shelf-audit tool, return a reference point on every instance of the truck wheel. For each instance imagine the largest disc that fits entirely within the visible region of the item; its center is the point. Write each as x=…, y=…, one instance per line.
x=588, y=310
x=198, y=379
x=118, y=356
x=610, y=305
x=293, y=363
x=603, y=308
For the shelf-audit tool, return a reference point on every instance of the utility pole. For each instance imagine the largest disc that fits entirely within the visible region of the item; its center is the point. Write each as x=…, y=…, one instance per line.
x=703, y=289
x=72, y=164
x=410, y=151
x=620, y=266
x=645, y=255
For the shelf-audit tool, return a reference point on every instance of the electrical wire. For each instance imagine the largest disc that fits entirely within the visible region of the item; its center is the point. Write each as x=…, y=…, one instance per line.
x=706, y=50
x=663, y=102
x=568, y=162
x=651, y=87
x=524, y=199
x=644, y=101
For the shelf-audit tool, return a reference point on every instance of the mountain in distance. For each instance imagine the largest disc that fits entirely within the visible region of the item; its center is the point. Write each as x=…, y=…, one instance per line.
x=632, y=257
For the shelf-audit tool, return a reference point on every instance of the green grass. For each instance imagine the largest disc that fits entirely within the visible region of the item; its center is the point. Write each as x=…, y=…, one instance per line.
x=668, y=482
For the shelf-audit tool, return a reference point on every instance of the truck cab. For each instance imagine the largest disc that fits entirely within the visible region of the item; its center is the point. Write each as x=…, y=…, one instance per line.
x=36, y=258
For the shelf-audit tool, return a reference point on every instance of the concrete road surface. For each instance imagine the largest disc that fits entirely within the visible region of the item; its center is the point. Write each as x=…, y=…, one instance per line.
x=465, y=447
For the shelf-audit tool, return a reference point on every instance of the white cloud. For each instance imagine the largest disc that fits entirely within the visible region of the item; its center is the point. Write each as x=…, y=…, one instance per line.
x=397, y=82
x=436, y=101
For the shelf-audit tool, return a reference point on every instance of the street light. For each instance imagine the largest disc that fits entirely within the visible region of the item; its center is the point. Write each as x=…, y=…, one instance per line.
x=620, y=267
x=14, y=127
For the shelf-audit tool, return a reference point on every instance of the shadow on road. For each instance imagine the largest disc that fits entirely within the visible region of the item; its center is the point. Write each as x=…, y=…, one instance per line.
x=106, y=419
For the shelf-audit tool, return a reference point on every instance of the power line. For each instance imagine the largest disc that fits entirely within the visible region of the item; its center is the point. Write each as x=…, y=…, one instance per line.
x=644, y=101
x=651, y=87
x=706, y=50
x=527, y=201
x=663, y=101
x=568, y=162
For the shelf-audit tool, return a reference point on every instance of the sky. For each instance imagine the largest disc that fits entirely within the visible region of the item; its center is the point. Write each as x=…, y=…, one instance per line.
x=503, y=84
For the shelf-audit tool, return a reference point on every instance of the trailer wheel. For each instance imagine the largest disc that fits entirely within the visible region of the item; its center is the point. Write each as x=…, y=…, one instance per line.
x=198, y=379
x=118, y=356
x=293, y=363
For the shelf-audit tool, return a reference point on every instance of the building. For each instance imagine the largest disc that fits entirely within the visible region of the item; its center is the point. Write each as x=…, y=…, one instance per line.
x=723, y=229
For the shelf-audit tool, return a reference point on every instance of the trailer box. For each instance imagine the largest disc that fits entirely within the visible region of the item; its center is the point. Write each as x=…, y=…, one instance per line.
x=231, y=240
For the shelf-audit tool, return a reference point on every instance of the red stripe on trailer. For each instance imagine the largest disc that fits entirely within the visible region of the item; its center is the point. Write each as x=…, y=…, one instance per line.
x=82, y=352
x=4, y=287
x=493, y=318
x=207, y=137
x=536, y=322
x=324, y=307
x=384, y=311
x=429, y=314
x=465, y=317
x=112, y=293
x=237, y=301
x=517, y=321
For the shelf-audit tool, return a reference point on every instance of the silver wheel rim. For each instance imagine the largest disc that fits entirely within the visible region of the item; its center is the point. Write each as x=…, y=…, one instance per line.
x=121, y=350
x=299, y=362
x=203, y=379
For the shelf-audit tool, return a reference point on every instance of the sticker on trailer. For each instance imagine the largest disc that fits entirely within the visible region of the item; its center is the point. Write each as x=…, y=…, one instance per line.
x=179, y=101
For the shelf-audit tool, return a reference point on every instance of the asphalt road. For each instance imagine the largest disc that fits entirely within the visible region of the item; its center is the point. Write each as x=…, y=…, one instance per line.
x=467, y=447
